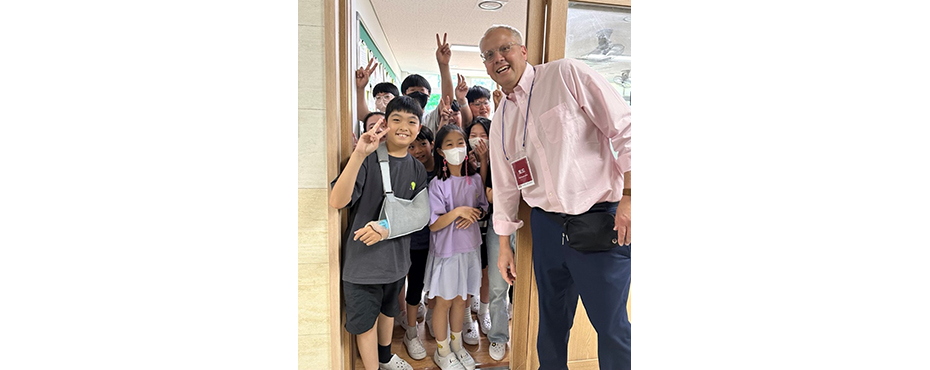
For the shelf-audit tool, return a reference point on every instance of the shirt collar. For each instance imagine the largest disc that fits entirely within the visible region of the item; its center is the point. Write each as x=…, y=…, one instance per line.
x=525, y=83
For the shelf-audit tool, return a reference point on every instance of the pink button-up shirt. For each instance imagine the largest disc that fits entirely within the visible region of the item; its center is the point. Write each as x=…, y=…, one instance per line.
x=574, y=117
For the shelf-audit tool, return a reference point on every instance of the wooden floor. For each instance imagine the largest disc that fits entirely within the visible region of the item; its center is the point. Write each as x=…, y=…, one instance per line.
x=479, y=352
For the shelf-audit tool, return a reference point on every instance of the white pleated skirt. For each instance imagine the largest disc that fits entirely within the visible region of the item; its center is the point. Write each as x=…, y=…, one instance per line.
x=456, y=275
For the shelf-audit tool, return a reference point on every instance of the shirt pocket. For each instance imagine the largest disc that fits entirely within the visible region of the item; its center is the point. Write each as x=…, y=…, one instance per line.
x=560, y=122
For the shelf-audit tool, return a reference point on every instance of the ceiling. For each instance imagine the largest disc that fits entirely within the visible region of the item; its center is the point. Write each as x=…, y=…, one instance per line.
x=410, y=27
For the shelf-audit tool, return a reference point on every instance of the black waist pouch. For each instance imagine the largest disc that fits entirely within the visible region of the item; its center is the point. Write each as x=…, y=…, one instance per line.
x=592, y=231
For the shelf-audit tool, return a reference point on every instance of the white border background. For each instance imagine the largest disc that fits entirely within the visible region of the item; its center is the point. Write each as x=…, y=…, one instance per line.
x=148, y=170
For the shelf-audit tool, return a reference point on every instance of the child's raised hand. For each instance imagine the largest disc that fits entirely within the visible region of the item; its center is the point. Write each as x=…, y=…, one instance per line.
x=462, y=89
x=481, y=151
x=369, y=141
x=445, y=111
x=497, y=95
x=443, y=50
x=364, y=73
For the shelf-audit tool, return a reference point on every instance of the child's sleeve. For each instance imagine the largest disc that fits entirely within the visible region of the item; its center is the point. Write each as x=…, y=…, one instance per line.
x=482, y=196
x=359, y=183
x=436, y=206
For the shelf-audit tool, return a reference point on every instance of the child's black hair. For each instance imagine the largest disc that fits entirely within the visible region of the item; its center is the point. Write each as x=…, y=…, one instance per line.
x=404, y=104
x=454, y=105
x=415, y=80
x=484, y=122
x=425, y=134
x=385, y=87
x=367, y=116
x=477, y=92
x=468, y=168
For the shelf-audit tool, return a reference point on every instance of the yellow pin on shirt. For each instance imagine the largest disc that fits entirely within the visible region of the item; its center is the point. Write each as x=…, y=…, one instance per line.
x=413, y=185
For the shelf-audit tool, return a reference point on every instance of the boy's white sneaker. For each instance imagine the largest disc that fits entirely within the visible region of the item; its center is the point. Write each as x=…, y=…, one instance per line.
x=396, y=363
x=465, y=358
x=485, y=321
x=449, y=362
x=497, y=350
x=415, y=347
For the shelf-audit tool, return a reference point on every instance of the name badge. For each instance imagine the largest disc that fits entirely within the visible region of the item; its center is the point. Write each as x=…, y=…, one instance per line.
x=521, y=171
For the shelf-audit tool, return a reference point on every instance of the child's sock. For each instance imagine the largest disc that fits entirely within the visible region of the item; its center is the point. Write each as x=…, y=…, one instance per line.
x=456, y=341
x=482, y=308
x=411, y=332
x=384, y=353
x=443, y=346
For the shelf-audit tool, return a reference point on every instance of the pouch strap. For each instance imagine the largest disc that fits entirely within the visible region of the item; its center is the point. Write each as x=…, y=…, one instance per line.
x=385, y=168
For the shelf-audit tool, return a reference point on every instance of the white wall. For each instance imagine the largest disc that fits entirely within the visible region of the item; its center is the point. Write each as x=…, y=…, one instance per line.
x=314, y=343
x=373, y=25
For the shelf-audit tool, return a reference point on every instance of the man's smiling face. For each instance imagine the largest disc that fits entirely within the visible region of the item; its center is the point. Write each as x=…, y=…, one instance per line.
x=504, y=68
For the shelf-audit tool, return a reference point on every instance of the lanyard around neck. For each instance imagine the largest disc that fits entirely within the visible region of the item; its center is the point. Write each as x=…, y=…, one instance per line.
x=525, y=118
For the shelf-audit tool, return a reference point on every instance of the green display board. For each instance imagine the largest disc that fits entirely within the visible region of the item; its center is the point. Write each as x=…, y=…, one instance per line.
x=374, y=49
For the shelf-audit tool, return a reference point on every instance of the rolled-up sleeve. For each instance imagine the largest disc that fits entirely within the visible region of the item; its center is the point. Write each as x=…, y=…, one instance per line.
x=503, y=184
x=604, y=107
x=436, y=206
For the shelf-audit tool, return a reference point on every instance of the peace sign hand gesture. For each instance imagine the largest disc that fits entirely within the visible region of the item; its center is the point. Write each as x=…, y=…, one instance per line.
x=445, y=111
x=364, y=73
x=370, y=140
x=443, y=50
x=462, y=89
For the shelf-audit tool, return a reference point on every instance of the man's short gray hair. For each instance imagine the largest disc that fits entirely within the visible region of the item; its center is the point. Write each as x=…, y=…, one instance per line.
x=516, y=33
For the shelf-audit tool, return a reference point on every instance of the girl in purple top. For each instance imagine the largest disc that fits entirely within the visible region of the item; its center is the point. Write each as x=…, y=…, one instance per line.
x=453, y=267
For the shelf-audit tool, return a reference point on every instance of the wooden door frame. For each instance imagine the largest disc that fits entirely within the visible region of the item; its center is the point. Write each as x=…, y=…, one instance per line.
x=338, y=117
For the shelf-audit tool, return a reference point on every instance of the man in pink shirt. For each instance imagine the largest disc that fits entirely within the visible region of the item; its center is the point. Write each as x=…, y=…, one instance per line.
x=553, y=141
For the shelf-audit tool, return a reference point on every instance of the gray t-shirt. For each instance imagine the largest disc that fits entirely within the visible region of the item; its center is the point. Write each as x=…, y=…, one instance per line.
x=388, y=260
x=431, y=120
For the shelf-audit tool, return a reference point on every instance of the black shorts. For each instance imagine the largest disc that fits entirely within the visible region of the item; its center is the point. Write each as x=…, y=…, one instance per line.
x=365, y=301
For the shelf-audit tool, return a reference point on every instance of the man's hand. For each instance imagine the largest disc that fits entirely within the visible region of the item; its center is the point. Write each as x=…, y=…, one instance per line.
x=505, y=262
x=497, y=95
x=461, y=90
x=370, y=140
x=443, y=51
x=622, y=221
x=364, y=73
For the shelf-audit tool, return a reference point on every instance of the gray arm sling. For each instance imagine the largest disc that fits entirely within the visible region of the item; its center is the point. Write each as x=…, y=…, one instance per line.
x=403, y=216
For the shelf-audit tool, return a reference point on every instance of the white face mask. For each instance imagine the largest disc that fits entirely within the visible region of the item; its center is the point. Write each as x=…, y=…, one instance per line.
x=475, y=140
x=454, y=156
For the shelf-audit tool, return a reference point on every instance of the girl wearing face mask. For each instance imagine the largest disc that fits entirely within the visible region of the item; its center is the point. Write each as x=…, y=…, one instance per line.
x=477, y=133
x=453, y=266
